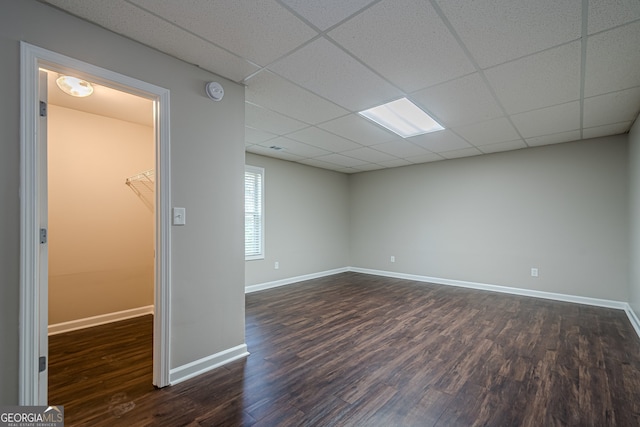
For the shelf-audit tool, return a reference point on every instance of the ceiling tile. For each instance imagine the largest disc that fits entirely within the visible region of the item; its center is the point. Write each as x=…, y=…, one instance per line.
x=547, y=78
x=320, y=164
x=326, y=70
x=359, y=129
x=437, y=142
x=326, y=13
x=256, y=136
x=295, y=147
x=126, y=19
x=395, y=163
x=546, y=121
x=613, y=60
x=407, y=32
x=401, y=148
x=324, y=139
x=368, y=167
x=341, y=160
x=557, y=138
x=273, y=32
x=497, y=31
x=271, y=91
x=606, y=130
x=281, y=154
x=612, y=108
x=270, y=121
x=489, y=132
x=606, y=14
x=459, y=102
x=465, y=152
x=368, y=155
x=425, y=158
x=503, y=146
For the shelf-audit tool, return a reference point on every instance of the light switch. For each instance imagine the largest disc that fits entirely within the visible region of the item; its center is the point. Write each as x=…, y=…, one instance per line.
x=179, y=216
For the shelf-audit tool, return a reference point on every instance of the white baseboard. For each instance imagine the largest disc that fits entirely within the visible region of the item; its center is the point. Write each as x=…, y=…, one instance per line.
x=87, y=322
x=620, y=305
x=633, y=319
x=195, y=368
x=282, y=282
x=497, y=288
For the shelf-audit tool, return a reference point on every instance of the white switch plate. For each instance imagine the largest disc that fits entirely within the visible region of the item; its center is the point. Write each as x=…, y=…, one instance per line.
x=534, y=272
x=393, y=258
x=276, y=265
x=179, y=216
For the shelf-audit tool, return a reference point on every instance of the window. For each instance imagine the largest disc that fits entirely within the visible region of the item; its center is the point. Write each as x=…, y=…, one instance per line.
x=253, y=213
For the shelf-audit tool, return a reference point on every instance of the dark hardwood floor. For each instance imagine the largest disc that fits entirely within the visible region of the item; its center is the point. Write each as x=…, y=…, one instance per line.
x=360, y=350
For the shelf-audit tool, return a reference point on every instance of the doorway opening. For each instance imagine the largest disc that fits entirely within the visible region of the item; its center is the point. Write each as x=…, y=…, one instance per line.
x=35, y=188
x=101, y=205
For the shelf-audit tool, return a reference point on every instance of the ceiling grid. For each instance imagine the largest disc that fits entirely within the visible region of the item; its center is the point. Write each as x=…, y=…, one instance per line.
x=499, y=75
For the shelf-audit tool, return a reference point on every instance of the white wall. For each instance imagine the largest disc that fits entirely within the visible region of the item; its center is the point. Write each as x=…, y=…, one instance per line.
x=634, y=217
x=101, y=234
x=562, y=209
x=306, y=221
x=207, y=172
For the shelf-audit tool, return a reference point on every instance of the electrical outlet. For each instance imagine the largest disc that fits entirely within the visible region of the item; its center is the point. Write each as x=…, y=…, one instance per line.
x=393, y=258
x=534, y=272
x=276, y=265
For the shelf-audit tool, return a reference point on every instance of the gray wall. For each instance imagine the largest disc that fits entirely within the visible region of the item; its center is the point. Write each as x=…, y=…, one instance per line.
x=562, y=209
x=207, y=179
x=634, y=217
x=306, y=221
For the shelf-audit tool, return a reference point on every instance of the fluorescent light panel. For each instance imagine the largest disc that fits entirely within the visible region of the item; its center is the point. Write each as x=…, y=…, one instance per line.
x=402, y=117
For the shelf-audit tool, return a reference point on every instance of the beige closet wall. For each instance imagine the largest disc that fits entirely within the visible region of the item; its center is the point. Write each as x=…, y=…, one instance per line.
x=101, y=239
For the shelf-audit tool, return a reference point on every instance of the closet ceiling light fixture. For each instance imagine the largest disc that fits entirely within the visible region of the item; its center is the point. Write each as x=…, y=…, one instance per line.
x=74, y=86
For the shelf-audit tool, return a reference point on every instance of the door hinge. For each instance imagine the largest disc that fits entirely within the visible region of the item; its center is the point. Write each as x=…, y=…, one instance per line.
x=43, y=235
x=42, y=363
x=43, y=109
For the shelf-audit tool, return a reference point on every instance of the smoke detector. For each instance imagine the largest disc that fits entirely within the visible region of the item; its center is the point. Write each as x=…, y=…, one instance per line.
x=214, y=91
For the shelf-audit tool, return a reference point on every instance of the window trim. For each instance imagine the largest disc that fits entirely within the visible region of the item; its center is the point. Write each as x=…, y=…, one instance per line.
x=259, y=171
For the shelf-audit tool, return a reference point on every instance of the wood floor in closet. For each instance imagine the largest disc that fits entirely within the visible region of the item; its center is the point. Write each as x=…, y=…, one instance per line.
x=361, y=350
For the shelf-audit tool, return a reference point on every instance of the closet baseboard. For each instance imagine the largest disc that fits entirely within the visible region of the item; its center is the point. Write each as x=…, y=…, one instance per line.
x=87, y=322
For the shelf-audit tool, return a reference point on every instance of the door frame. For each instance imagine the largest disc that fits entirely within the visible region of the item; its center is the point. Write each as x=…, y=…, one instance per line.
x=32, y=58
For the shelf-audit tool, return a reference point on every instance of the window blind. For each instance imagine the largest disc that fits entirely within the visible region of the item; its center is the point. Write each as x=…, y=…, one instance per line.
x=253, y=213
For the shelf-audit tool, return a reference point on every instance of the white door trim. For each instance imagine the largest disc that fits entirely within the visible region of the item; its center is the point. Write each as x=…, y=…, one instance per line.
x=32, y=57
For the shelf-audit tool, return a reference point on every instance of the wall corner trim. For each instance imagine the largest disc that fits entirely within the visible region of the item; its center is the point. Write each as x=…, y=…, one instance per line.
x=633, y=318
x=208, y=363
x=282, y=282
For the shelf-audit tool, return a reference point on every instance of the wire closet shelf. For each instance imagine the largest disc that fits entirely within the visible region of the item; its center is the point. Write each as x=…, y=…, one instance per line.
x=143, y=184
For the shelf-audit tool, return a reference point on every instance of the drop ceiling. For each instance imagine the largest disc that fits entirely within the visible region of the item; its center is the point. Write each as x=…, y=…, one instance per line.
x=499, y=75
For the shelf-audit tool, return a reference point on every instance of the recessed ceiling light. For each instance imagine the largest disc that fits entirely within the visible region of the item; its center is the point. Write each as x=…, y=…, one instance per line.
x=74, y=86
x=402, y=117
